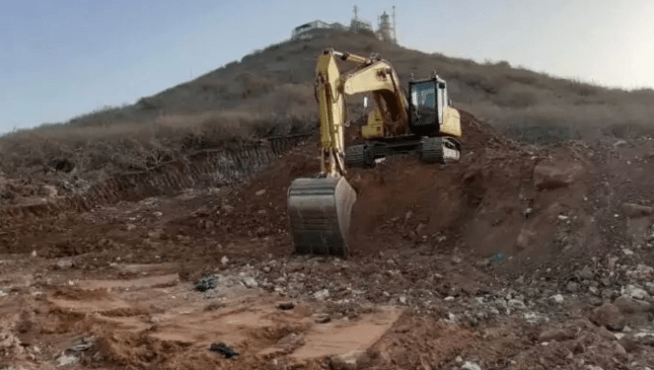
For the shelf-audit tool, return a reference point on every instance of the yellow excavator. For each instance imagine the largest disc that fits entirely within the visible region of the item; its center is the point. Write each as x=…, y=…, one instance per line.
x=423, y=122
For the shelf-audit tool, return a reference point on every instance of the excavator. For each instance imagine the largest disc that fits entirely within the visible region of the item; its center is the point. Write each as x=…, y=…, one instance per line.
x=421, y=122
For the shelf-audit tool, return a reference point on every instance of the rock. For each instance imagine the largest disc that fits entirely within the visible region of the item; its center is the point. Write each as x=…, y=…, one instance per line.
x=551, y=175
x=155, y=235
x=572, y=287
x=408, y=215
x=558, y=335
x=642, y=272
x=205, y=283
x=650, y=288
x=260, y=192
x=525, y=239
x=224, y=260
x=65, y=263
x=321, y=294
x=645, y=338
x=558, y=298
x=352, y=360
x=456, y=259
x=516, y=305
x=227, y=208
x=250, y=282
x=322, y=319
x=470, y=366
x=609, y=316
x=609, y=294
x=131, y=227
x=635, y=292
x=66, y=360
x=628, y=305
x=586, y=273
x=633, y=210
x=286, y=306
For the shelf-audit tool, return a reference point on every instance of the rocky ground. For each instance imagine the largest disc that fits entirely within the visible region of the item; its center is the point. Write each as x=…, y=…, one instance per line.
x=518, y=257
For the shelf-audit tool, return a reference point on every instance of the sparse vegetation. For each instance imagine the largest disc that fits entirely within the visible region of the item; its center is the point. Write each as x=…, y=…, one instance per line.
x=271, y=92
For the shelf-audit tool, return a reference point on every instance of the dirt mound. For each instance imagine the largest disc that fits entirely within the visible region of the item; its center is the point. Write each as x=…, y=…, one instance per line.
x=502, y=199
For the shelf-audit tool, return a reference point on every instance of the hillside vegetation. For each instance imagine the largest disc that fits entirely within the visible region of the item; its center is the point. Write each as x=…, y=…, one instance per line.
x=270, y=92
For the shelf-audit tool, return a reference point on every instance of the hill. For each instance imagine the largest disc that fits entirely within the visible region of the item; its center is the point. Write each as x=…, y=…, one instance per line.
x=269, y=92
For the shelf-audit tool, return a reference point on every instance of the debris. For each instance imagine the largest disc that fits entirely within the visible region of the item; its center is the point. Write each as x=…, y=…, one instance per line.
x=634, y=292
x=224, y=260
x=286, y=306
x=586, y=273
x=323, y=319
x=205, y=283
x=66, y=360
x=223, y=349
x=64, y=263
x=321, y=294
x=2, y=294
x=351, y=360
x=250, y=282
x=260, y=192
x=470, y=366
x=558, y=298
x=572, y=287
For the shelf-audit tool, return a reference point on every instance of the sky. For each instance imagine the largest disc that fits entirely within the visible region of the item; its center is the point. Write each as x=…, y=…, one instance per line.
x=60, y=59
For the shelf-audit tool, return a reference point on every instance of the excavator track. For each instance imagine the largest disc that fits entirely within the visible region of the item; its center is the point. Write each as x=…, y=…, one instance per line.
x=439, y=150
x=319, y=211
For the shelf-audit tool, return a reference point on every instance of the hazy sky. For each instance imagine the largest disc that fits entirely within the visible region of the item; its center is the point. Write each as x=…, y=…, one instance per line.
x=59, y=59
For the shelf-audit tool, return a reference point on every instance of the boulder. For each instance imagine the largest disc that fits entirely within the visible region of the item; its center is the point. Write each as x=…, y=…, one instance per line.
x=609, y=316
x=552, y=175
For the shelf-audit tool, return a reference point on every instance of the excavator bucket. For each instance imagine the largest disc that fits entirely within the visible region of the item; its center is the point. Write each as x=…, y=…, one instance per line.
x=319, y=210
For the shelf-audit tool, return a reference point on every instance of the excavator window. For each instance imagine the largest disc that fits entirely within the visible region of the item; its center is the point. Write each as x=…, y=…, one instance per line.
x=423, y=101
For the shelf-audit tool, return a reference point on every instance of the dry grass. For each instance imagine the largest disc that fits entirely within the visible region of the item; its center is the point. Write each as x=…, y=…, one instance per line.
x=99, y=151
x=270, y=92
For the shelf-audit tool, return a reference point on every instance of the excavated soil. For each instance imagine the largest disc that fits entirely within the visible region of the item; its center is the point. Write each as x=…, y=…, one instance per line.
x=517, y=257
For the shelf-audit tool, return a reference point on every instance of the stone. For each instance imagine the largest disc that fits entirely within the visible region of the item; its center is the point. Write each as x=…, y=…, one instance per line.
x=352, y=360
x=635, y=292
x=642, y=272
x=628, y=305
x=468, y=365
x=558, y=298
x=572, y=287
x=516, y=305
x=260, y=192
x=525, y=239
x=586, y=273
x=250, y=282
x=633, y=210
x=549, y=174
x=65, y=263
x=321, y=294
x=224, y=260
x=609, y=316
x=558, y=335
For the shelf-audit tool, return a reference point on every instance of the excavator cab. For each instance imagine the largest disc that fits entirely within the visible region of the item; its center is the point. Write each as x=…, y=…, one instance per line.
x=428, y=101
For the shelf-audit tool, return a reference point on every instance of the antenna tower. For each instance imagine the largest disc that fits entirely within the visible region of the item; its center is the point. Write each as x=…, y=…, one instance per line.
x=394, y=29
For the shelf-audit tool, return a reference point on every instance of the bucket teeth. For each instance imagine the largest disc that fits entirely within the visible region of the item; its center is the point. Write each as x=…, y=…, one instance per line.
x=319, y=211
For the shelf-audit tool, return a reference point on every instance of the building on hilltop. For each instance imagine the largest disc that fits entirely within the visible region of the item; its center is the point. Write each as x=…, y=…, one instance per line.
x=385, y=31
